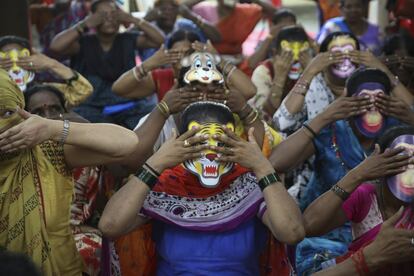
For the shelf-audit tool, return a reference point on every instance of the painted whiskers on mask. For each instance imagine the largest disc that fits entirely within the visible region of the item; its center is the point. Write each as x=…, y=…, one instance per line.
x=206, y=168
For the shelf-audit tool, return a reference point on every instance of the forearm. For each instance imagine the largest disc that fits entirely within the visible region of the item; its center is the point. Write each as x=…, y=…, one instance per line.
x=260, y=54
x=242, y=83
x=148, y=132
x=267, y=7
x=128, y=86
x=108, y=139
x=63, y=41
x=401, y=92
x=61, y=70
x=152, y=32
x=191, y=3
x=283, y=214
x=121, y=212
x=325, y=213
x=209, y=30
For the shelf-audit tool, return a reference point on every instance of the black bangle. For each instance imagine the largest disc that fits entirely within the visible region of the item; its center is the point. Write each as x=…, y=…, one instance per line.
x=147, y=177
x=340, y=192
x=268, y=180
x=151, y=169
x=305, y=125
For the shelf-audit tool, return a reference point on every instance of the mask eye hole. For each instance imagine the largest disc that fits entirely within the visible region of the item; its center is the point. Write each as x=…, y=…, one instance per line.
x=221, y=144
x=197, y=63
x=209, y=64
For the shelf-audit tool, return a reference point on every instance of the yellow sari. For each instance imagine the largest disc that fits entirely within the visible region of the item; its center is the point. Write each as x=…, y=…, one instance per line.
x=35, y=196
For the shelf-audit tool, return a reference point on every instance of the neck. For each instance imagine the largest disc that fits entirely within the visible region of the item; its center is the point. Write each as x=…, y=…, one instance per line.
x=335, y=84
x=390, y=204
x=357, y=26
x=366, y=143
x=166, y=29
x=106, y=40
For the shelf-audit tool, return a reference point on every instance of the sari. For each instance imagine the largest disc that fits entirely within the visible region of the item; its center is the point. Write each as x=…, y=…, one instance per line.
x=34, y=210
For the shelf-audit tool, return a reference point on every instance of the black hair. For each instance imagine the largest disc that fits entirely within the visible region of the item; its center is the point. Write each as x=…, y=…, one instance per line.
x=386, y=139
x=332, y=36
x=291, y=33
x=11, y=39
x=364, y=75
x=182, y=35
x=32, y=90
x=17, y=264
x=205, y=112
x=398, y=41
x=95, y=3
x=281, y=14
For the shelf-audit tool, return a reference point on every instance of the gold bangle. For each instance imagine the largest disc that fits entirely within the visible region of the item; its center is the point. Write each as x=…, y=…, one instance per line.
x=256, y=115
x=163, y=112
x=163, y=107
x=134, y=72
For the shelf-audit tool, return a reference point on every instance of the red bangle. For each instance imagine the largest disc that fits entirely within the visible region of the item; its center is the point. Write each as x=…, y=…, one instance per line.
x=359, y=260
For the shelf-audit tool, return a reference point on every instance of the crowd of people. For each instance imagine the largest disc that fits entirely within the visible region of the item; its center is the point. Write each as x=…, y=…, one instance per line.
x=155, y=146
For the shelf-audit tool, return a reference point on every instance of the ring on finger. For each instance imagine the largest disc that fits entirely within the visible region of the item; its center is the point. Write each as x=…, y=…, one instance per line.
x=204, y=47
x=31, y=64
x=330, y=57
x=412, y=241
x=225, y=102
x=226, y=92
x=186, y=143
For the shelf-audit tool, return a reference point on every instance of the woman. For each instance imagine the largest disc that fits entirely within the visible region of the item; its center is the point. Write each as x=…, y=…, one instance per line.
x=276, y=76
x=164, y=15
x=354, y=21
x=220, y=237
x=144, y=80
x=36, y=186
x=339, y=146
x=105, y=56
x=369, y=194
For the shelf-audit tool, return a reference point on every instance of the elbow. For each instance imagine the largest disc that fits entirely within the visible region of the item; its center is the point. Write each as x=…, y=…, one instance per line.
x=116, y=88
x=250, y=92
x=127, y=148
x=296, y=235
x=108, y=228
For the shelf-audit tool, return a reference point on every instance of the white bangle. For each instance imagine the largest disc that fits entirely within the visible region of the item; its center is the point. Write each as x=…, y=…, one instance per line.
x=65, y=131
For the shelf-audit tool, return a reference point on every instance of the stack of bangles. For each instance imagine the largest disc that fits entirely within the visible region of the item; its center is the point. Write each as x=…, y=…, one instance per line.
x=268, y=180
x=226, y=71
x=251, y=117
x=164, y=109
x=148, y=175
x=301, y=87
x=139, y=73
x=360, y=264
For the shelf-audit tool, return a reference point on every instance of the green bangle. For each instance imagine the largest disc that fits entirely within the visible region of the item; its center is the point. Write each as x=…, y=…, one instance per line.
x=147, y=177
x=268, y=180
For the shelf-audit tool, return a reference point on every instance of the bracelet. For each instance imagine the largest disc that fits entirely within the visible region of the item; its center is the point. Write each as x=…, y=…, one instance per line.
x=395, y=81
x=268, y=180
x=164, y=109
x=306, y=126
x=340, y=192
x=151, y=169
x=255, y=114
x=231, y=71
x=147, y=177
x=226, y=63
x=139, y=73
x=65, y=131
x=360, y=264
x=243, y=111
x=72, y=79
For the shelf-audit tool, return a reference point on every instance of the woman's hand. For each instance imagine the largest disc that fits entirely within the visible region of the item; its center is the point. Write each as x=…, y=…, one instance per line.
x=305, y=58
x=6, y=63
x=94, y=20
x=346, y=107
x=178, y=99
x=37, y=62
x=29, y=133
x=204, y=47
x=322, y=61
x=378, y=165
x=162, y=57
x=177, y=150
x=368, y=59
x=246, y=153
x=395, y=107
x=235, y=101
x=282, y=64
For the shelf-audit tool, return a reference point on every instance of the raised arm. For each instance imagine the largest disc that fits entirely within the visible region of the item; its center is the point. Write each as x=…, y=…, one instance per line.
x=282, y=216
x=298, y=147
x=326, y=213
x=121, y=212
x=209, y=30
x=67, y=42
x=130, y=85
x=391, y=246
x=268, y=8
x=85, y=144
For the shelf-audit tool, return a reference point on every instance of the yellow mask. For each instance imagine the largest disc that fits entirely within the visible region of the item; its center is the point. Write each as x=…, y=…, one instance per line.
x=206, y=168
x=18, y=74
x=296, y=47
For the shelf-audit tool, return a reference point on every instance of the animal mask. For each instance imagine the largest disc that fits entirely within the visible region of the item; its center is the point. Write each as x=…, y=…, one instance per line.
x=18, y=74
x=372, y=122
x=296, y=47
x=343, y=44
x=206, y=168
x=402, y=185
x=203, y=68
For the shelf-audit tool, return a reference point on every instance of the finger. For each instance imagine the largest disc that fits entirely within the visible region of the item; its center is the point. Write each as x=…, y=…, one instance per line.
x=223, y=150
x=377, y=150
x=197, y=148
x=197, y=139
x=250, y=135
x=226, y=140
x=231, y=133
x=193, y=155
x=392, y=172
x=393, y=152
x=227, y=159
x=394, y=218
x=13, y=146
x=23, y=113
x=10, y=132
x=189, y=133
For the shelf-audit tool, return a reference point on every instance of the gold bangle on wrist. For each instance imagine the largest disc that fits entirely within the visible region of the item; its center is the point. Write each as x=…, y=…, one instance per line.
x=164, y=109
